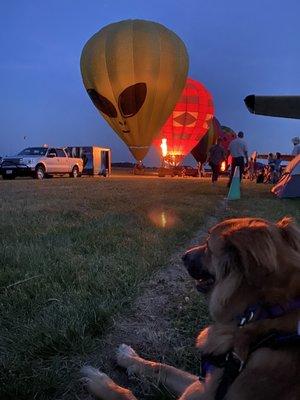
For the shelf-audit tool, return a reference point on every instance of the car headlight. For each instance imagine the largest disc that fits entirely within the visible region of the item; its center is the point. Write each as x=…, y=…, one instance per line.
x=28, y=161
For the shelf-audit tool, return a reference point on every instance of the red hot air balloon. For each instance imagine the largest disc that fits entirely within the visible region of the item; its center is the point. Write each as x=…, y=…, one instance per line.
x=187, y=124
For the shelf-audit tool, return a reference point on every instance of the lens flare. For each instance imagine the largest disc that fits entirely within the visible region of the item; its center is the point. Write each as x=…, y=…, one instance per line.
x=163, y=219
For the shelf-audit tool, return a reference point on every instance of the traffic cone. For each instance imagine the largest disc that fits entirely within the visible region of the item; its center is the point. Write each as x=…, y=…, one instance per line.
x=235, y=186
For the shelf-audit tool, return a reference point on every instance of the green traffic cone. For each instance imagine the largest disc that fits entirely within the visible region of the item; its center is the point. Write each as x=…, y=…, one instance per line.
x=235, y=187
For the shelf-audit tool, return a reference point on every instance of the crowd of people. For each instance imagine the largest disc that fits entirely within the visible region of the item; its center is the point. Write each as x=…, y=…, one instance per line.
x=238, y=153
x=269, y=173
x=249, y=168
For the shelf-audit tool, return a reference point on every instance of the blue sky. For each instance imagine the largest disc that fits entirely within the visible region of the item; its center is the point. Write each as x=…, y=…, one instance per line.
x=236, y=48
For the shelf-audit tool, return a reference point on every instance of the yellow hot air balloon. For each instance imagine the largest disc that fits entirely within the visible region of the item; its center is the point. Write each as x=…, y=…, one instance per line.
x=134, y=72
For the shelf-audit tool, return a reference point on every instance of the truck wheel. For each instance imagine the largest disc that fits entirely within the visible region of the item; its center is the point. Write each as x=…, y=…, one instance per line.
x=40, y=172
x=75, y=172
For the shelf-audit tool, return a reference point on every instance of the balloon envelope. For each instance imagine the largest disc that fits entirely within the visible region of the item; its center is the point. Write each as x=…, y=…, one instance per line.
x=227, y=136
x=188, y=122
x=134, y=72
x=200, y=151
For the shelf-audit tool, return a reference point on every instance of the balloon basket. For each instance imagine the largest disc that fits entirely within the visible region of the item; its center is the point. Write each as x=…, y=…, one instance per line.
x=139, y=169
x=170, y=171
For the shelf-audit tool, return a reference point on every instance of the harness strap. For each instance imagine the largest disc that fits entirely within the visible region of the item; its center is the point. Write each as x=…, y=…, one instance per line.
x=262, y=311
x=231, y=363
x=233, y=366
x=232, y=369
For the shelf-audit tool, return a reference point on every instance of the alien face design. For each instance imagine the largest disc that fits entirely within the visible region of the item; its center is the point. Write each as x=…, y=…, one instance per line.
x=130, y=102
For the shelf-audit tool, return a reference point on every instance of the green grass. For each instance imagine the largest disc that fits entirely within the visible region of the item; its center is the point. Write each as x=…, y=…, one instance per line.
x=85, y=247
x=73, y=254
x=259, y=202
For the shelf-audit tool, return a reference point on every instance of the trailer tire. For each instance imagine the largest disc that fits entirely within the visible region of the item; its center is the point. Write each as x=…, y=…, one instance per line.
x=75, y=172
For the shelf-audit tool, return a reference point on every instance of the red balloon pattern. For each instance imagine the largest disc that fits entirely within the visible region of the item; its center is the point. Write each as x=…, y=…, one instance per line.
x=188, y=122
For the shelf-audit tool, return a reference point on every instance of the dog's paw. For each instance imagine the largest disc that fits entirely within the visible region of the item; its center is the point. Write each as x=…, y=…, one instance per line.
x=96, y=381
x=126, y=357
x=216, y=339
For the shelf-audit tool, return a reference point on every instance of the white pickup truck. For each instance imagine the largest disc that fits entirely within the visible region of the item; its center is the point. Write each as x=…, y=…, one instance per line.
x=40, y=162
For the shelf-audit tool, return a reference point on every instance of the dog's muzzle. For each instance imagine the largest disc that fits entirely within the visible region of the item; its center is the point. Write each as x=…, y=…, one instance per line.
x=193, y=261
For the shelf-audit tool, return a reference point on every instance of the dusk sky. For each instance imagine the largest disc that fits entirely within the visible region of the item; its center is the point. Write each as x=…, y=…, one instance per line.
x=235, y=47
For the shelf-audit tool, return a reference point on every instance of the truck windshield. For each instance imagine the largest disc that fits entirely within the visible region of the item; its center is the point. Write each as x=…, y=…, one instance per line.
x=33, y=151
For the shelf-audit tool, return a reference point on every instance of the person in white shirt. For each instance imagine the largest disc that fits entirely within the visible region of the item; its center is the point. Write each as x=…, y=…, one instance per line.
x=296, y=149
x=239, y=153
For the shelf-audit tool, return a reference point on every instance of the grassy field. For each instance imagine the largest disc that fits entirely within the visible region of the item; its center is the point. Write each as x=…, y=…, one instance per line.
x=73, y=255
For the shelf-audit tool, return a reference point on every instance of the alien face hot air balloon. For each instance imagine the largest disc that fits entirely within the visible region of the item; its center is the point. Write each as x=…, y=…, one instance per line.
x=188, y=122
x=134, y=72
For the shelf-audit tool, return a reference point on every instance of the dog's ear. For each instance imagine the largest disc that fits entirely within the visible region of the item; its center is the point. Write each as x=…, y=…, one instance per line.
x=290, y=232
x=252, y=252
x=230, y=261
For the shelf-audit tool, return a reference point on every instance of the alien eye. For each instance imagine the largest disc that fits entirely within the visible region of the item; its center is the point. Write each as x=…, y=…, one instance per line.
x=102, y=103
x=131, y=99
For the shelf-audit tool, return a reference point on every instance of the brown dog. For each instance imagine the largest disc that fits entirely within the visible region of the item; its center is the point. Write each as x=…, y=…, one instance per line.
x=250, y=270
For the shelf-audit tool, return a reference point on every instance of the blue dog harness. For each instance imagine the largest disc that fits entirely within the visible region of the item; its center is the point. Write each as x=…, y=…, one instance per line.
x=231, y=363
x=261, y=311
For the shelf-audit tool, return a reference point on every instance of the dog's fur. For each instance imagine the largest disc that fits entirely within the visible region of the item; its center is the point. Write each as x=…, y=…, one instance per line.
x=243, y=262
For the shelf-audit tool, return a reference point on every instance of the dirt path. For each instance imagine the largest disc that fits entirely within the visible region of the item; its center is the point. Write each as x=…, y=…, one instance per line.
x=149, y=328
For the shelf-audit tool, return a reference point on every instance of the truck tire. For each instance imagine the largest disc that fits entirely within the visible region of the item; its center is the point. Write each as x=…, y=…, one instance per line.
x=39, y=172
x=75, y=172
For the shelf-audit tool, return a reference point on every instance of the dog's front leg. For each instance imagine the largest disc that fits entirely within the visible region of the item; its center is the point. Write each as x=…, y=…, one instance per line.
x=103, y=387
x=194, y=392
x=204, y=390
x=175, y=380
x=216, y=339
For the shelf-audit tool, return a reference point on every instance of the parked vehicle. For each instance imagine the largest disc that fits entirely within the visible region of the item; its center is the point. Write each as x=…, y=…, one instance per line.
x=41, y=162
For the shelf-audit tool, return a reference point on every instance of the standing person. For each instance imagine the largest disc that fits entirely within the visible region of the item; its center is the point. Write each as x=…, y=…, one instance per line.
x=296, y=143
x=239, y=152
x=200, y=166
x=277, y=168
x=216, y=155
x=270, y=168
x=251, y=169
x=271, y=160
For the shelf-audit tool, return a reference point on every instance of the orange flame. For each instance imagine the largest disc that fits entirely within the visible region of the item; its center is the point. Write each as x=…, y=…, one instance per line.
x=223, y=166
x=164, y=147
